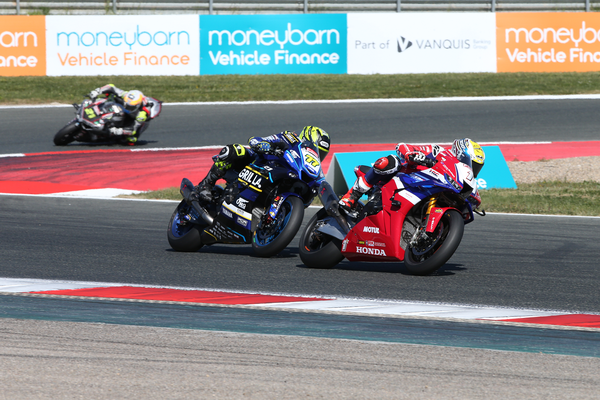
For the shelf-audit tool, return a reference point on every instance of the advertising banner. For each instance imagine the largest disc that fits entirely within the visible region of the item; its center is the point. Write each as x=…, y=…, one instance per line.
x=22, y=45
x=273, y=44
x=495, y=174
x=427, y=42
x=123, y=45
x=548, y=42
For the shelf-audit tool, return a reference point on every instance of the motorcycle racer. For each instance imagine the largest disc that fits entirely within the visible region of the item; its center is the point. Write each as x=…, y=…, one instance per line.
x=136, y=107
x=237, y=156
x=407, y=159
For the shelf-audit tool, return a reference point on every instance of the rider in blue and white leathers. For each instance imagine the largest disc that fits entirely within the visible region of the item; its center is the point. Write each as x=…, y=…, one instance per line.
x=237, y=156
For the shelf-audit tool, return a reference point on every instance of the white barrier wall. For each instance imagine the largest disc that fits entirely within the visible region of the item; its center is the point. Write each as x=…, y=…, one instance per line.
x=358, y=43
x=123, y=45
x=396, y=43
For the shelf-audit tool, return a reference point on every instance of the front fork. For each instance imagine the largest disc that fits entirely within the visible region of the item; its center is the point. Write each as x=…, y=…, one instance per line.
x=420, y=234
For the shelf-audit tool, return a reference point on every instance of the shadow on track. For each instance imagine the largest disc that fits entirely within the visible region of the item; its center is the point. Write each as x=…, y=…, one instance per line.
x=107, y=144
x=241, y=250
x=392, y=268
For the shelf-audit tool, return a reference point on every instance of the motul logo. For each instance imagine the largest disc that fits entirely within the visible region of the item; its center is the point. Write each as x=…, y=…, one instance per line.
x=370, y=229
x=371, y=251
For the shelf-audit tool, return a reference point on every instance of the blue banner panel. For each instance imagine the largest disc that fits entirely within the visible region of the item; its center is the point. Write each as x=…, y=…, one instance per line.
x=494, y=174
x=273, y=44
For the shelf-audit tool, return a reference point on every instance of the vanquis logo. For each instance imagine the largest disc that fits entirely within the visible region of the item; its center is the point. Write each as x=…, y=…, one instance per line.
x=434, y=44
x=403, y=44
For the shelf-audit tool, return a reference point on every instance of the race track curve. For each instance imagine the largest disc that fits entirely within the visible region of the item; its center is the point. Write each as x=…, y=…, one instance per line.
x=521, y=261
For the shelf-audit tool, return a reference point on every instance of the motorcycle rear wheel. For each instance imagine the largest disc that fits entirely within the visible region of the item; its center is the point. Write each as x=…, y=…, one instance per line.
x=448, y=235
x=67, y=134
x=183, y=237
x=318, y=251
x=270, y=240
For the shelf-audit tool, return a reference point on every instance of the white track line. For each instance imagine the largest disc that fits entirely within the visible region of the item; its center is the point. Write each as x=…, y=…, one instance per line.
x=351, y=101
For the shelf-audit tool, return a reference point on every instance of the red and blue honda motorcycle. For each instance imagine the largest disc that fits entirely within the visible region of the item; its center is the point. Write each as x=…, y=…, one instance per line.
x=416, y=217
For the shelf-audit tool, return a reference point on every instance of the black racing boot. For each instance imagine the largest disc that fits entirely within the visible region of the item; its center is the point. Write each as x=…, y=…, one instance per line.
x=204, y=188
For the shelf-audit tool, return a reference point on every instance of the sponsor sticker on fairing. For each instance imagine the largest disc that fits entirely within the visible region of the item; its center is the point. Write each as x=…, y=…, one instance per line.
x=371, y=229
x=371, y=251
x=241, y=221
x=226, y=212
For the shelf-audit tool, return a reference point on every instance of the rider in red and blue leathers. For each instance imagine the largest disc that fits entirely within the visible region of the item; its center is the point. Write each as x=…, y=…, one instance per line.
x=407, y=159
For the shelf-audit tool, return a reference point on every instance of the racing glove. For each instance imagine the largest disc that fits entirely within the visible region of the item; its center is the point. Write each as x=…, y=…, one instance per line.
x=116, y=131
x=263, y=147
x=421, y=159
x=94, y=93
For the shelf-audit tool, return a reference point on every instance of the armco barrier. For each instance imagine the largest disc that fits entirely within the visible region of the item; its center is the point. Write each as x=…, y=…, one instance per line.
x=113, y=7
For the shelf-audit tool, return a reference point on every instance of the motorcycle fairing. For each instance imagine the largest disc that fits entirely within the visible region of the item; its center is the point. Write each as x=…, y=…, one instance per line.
x=377, y=237
x=96, y=114
x=304, y=159
x=372, y=239
x=252, y=178
x=218, y=232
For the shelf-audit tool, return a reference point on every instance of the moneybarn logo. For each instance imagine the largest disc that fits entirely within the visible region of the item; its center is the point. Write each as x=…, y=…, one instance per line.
x=130, y=45
x=263, y=44
x=545, y=42
x=22, y=45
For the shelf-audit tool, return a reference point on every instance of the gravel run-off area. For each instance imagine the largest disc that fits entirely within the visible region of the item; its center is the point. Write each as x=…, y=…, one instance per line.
x=578, y=169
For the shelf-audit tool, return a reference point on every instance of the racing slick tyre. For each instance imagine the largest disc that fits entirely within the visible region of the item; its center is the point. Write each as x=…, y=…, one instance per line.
x=183, y=235
x=431, y=255
x=66, y=135
x=270, y=239
x=318, y=250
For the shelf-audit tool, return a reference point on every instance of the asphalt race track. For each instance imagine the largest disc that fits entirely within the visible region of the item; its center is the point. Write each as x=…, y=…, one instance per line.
x=517, y=261
x=31, y=130
x=503, y=260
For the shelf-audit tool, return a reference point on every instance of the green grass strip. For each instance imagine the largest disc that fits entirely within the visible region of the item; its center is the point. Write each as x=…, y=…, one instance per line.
x=68, y=89
x=557, y=198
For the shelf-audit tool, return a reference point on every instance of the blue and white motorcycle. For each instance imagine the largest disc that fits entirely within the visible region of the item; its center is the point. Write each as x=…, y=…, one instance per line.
x=262, y=204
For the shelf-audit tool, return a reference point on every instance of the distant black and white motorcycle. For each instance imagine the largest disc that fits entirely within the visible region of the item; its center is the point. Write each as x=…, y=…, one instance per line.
x=94, y=118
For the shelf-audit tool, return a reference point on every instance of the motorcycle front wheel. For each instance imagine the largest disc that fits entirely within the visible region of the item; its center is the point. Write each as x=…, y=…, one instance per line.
x=183, y=235
x=270, y=239
x=318, y=250
x=430, y=256
x=67, y=134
